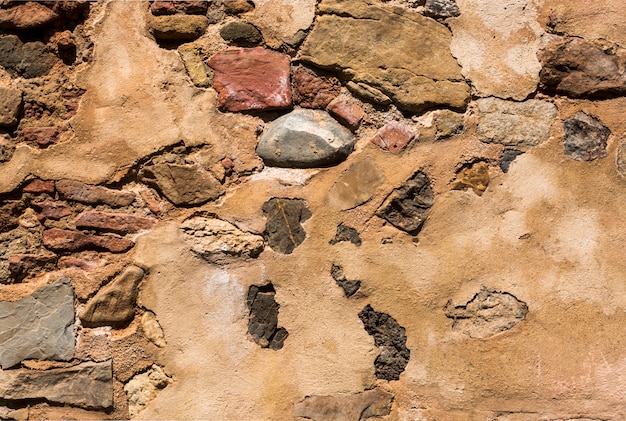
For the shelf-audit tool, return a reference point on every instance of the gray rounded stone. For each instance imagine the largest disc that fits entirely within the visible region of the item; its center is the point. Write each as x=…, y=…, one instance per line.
x=305, y=139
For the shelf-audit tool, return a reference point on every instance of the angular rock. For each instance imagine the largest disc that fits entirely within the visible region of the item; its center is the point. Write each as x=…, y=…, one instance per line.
x=29, y=15
x=283, y=22
x=283, y=229
x=28, y=60
x=235, y=7
x=305, y=139
x=87, y=385
x=486, y=314
x=406, y=207
x=10, y=105
x=347, y=113
x=183, y=185
x=22, y=265
x=198, y=72
x=441, y=9
x=359, y=406
x=349, y=287
x=114, y=305
x=121, y=223
x=64, y=240
x=38, y=326
x=75, y=262
x=163, y=7
x=448, y=123
x=398, y=52
x=311, y=91
x=251, y=79
x=152, y=329
x=10, y=212
x=346, y=233
x=263, y=318
x=52, y=210
x=93, y=195
x=39, y=186
x=42, y=136
x=508, y=156
x=474, y=176
x=585, y=137
x=579, y=68
x=144, y=387
x=514, y=123
x=355, y=186
x=212, y=238
x=390, y=339
x=620, y=160
x=241, y=34
x=393, y=137
x=178, y=27
x=7, y=148
x=368, y=93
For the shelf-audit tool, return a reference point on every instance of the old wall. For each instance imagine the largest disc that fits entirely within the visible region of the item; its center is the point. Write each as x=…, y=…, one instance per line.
x=331, y=209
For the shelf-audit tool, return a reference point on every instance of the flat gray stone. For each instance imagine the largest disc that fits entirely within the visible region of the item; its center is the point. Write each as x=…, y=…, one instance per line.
x=305, y=139
x=87, y=385
x=38, y=326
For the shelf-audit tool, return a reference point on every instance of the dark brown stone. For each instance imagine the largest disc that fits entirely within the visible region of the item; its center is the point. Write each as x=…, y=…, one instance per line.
x=348, y=113
x=251, y=79
x=393, y=137
x=29, y=60
x=346, y=233
x=283, y=229
x=263, y=318
x=241, y=34
x=121, y=223
x=312, y=91
x=52, y=210
x=585, y=137
x=235, y=7
x=93, y=195
x=39, y=186
x=10, y=211
x=63, y=240
x=43, y=136
x=349, y=287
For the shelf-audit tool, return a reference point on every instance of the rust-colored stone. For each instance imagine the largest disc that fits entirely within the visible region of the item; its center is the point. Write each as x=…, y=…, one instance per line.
x=52, y=210
x=93, y=195
x=393, y=137
x=39, y=186
x=21, y=265
x=26, y=16
x=122, y=223
x=311, y=91
x=348, y=113
x=43, y=136
x=64, y=240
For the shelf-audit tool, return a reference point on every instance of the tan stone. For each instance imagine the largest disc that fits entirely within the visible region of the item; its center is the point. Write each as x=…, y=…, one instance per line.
x=200, y=74
x=356, y=185
x=282, y=21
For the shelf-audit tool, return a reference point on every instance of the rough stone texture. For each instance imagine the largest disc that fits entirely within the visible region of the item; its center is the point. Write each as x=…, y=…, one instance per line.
x=507, y=158
x=311, y=91
x=7, y=148
x=346, y=233
x=251, y=79
x=282, y=21
x=241, y=34
x=393, y=137
x=486, y=314
x=579, y=68
x=121, y=223
x=93, y=195
x=39, y=186
x=349, y=287
x=160, y=7
x=263, y=317
x=398, y=52
x=449, y=123
x=585, y=137
x=52, y=210
x=390, y=338
x=152, y=329
x=10, y=105
x=283, y=228
x=144, y=387
x=183, y=184
x=356, y=185
x=64, y=240
x=620, y=160
x=474, y=176
x=114, y=305
x=132, y=351
x=406, y=206
x=441, y=9
x=178, y=27
x=10, y=212
x=87, y=385
x=213, y=237
x=235, y=7
x=23, y=265
x=26, y=16
x=197, y=70
x=359, y=406
x=38, y=326
x=347, y=113
x=42, y=136
x=305, y=139
x=509, y=123
x=29, y=60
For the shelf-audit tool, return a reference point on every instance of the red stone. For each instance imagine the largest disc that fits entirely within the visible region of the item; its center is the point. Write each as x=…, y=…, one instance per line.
x=122, y=223
x=151, y=202
x=161, y=7
x=64, y=240
x=26, y=16
x=39, y=186
x=311, y=91
x=93, y=195
x=393, y=137
x=20, y=265
x=228, y=165
x=251, y=79
x=348, y=113
x=66, y=262
x=52, y=210
x=43, y=136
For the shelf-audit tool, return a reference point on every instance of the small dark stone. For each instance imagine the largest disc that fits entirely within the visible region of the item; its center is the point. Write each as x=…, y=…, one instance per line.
x=242, y=34
x=406, y=206
x=346, y=233
x=441, y=9
x=349, y=287
x=28, y=60
x=390, y=339
x=263, y=317
x=283, y=229
x=585, y=137
x=507, y=157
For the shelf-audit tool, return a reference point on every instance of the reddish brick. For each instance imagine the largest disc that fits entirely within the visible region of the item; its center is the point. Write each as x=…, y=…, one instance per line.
x=93, y=195
x=393, y=137
x=21, y=265
x=43, y=136
x=348, y=113
x=75, y=262
x=64, y=240
x=52, y=210
x=311, y=91
x=39, y=186
x=122, y=223
x=251, y=79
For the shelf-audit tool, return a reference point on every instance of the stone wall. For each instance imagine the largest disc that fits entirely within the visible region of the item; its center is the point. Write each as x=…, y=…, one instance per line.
x=313, y=209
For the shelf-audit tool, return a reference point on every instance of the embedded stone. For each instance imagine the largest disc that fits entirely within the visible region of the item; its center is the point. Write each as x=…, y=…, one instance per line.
x=441, y=9
x=241, y=34
x=93, y=195
x=178, y=27
x=86, y=385
x=347, y=113
x=114, y=304
x=121, y=223
x=511, y=123
x=132, y=352
x=398, y=52
x=185, y=185
x=52, y=210
x=620, y=160
x=346, y=233
x=39, y=186
x=263, y=318
x=29, y=15
x=212, y=238
x=197, y=70
x=312, y=91
x=152, y=329
x=42, y=136
x=507, y=158
x=251, y=79
x=448, y=123
x=349, y=287
x=10, y=105
x=10, y=212
x=28, y=60
x=473, y=176
x=355, y=186
x=235, y=7
x=585, y=137
x=38, y=326
x=7, y=148
x=163, y=7
x=56, y=239
x=283, y=229
x=283, y=22
x=393, y=137
x=358, y=406
x=144, y=387
x=23, y=265
x=305, y=139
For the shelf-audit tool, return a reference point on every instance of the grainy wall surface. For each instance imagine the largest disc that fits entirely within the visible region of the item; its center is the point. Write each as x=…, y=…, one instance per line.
x=313, y=209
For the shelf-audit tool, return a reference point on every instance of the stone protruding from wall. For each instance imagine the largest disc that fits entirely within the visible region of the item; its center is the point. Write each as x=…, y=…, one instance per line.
x=284, y=230
x=263, y=318
x=350, y=287
x=586, y=137
x=371, y=403
x=144, y=387
x=346, y=233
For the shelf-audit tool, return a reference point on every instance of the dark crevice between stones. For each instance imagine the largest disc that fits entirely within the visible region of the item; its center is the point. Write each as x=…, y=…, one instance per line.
x=390, y=339
x=349, y=287
x=346, y=233
x=263, y=317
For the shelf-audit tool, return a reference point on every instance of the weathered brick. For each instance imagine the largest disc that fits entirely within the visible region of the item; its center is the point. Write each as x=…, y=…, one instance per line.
x=39, y=186
x=64, y=240
x=349, y=114
x=93, y=195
